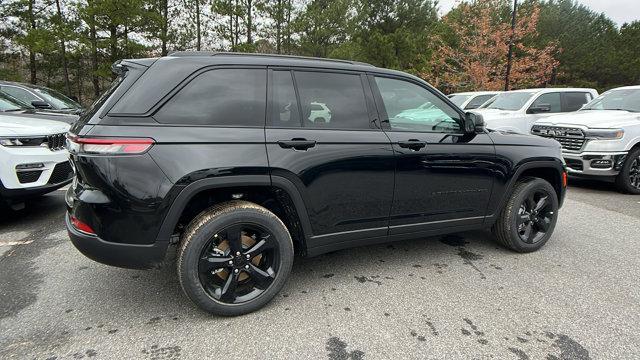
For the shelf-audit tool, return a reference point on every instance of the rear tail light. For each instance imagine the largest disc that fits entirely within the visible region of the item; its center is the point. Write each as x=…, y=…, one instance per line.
x=108, y=146
x=564, y=179
x=82, y=227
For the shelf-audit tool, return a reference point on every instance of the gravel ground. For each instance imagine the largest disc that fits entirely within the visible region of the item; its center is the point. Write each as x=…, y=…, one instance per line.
x=458, y=296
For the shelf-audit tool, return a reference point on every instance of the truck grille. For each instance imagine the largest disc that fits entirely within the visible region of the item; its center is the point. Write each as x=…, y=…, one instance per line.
x=56, y=141
x=61, y=172
x=570, y=138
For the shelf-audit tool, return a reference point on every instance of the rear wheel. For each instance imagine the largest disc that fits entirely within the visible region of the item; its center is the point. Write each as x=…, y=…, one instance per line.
x=234, y=258
x=527, y=221
x=628, y=180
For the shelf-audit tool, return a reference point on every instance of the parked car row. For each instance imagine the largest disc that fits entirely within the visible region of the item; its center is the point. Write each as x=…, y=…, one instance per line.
x=34, y=121
x=41, y=97
x=599, y=134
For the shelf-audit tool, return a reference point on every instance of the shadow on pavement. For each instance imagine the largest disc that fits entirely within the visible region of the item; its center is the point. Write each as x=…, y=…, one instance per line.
x=590, y=184
x=34, y=211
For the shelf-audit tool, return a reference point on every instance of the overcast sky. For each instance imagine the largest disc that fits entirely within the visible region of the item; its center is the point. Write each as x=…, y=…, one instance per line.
x=620, y=11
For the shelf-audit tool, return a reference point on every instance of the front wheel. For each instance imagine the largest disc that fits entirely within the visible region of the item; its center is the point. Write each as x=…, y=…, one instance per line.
x=234, y=258
x=628, y=180
x=527, y=221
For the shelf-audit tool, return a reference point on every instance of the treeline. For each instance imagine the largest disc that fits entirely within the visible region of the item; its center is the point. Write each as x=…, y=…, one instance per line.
x=70, y=44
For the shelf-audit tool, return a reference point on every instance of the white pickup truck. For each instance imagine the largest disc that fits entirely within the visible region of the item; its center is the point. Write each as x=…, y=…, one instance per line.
x=33, y=157
x=517, y=110
x=602, y=139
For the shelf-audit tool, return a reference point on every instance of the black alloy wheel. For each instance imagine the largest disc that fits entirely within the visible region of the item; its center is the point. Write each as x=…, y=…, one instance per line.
x=534, y=216
x=239, y=263
x=634, y=173
x=234, y=258
x=628, y=179
x=528, y=219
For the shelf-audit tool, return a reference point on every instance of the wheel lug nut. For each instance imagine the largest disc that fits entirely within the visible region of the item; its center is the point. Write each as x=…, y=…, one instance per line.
x=230, y=262
x=248, y=256
x=238, y=253
x=235, y=271
x=246, y=267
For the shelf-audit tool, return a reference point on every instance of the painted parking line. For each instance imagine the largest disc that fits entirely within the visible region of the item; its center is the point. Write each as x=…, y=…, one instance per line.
x=12, y=243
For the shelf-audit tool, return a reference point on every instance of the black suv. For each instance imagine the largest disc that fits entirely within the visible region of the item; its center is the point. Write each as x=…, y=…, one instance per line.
x=243, y=160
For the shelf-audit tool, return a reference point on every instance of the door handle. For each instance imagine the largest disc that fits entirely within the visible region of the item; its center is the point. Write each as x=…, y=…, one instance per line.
x=413, y=144
x=297, y=144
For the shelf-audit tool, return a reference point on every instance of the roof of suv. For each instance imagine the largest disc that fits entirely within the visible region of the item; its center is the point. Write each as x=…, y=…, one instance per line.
x=166, y=73
x=264, y=58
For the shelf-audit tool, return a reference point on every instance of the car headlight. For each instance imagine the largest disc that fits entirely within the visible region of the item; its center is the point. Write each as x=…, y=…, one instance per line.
x=605, y=134
x=37, y=141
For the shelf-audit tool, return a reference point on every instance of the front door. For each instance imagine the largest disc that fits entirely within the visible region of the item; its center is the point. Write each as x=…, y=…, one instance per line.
x=443, y=177
x=321, y=137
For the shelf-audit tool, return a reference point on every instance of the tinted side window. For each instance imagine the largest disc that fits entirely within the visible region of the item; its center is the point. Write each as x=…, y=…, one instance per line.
x=20, y=94
x=284, y=105
x=332, y=100
x=411, y=107
x=574, y=100
x=551, y=99
x=477, y=101
x=235, y=97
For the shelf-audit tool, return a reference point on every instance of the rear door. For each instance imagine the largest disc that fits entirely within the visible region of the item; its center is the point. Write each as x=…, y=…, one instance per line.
x=321, y=136
x=443, y=177
x=572, y=101
x=552, y=99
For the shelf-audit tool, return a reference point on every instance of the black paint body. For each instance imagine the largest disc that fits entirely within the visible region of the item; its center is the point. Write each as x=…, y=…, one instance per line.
x=354, y=187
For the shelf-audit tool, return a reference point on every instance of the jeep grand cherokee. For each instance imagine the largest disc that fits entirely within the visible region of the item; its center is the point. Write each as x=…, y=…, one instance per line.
x=217, y=153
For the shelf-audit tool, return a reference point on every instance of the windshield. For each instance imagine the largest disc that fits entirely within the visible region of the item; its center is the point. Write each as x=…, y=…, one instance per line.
x=459, y=99
x=58, y=100
x=9, y=103
x=510, y=100
x=623, y=99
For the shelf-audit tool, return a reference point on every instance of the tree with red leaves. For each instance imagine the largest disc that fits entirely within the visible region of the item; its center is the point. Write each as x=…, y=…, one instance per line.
x=471, y=52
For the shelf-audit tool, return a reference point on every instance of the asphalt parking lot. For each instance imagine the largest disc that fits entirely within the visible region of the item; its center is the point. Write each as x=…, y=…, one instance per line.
x=457, y=296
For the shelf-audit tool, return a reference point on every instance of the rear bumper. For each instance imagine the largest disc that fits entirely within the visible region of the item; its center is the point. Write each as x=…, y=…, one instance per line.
x=130, y=256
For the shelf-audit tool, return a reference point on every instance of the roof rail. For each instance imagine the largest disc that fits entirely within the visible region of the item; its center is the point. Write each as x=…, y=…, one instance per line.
x=294, y=57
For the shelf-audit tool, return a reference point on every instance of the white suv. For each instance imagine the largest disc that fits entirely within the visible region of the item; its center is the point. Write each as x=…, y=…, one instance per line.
x=602, y=139
x=33, y=158
x=517, y=110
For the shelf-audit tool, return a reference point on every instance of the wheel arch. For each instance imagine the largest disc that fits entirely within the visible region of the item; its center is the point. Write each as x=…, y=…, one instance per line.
x=635, y=144
x=549, y=170
x=285, y=194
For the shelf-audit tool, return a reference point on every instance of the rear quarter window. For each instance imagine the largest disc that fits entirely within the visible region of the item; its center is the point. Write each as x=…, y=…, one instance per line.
x=224, y=97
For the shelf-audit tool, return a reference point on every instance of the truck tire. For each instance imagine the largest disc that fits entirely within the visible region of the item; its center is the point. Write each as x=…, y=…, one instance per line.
x=527, y=220
x=628, y=180
x=234, y=258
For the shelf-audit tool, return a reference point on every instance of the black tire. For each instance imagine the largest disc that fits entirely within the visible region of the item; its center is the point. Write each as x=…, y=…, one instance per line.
x=628, y=180
x=199, y=238
x=510, y=230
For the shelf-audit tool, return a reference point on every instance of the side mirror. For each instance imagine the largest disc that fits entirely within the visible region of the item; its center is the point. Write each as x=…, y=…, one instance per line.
x=474, y=122
x=541, y=108
x=39, y=104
